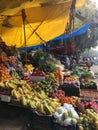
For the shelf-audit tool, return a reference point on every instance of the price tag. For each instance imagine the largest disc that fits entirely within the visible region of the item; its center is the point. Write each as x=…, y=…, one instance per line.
x=5, y=98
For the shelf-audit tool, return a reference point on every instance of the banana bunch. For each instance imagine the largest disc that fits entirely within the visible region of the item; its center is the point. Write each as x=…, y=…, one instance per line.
x=33, y=98
x=11, y=84
x=41, y=95
x=31, y=102
x=48, y=106
x=24, y=89
x=28, y=67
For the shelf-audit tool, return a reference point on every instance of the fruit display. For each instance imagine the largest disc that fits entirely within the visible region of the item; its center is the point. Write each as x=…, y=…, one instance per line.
x=4, y=73
x=52, y=79
x=48, y=106
x=32, y=99
x=55, y=93
x=28, y=67
x=71, y=82
x=40, y=103
x=46, y=97
x=88, y=120
x=70, y=100
x=58, y=74
x=66, y=115
x=22, y=89
x=38, y=73
x=43, y=85
x=11, y=84
x=90, y=105
x=71, y=79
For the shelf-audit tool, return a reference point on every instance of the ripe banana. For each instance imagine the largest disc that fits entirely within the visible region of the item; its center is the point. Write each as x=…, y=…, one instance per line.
x=15, y=94
x=25, y=90
x=28, y=87
x=32, y=104
x=11, y=85
x=24, y=101
x=20, y=90
x=47, y=109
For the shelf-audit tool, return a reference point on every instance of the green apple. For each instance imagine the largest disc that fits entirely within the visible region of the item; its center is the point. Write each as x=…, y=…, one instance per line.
x=85, y=121
x=70, y=114
x=73, y=121
x=64, y=115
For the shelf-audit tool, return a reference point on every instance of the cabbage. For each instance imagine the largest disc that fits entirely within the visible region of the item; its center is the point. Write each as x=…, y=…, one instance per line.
x=60, y=110
x=67, y=121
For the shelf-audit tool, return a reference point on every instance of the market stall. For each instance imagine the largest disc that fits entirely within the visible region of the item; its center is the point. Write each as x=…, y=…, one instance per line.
x=39, y=88
x=44, y=90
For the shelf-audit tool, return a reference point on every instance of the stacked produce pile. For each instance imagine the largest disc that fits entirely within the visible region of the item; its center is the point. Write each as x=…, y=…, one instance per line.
x=71, y=81
x=60, y=94
x=4, y=74
x=88, y=115
x=88, y=120
x=90, y=105
x=37, y=100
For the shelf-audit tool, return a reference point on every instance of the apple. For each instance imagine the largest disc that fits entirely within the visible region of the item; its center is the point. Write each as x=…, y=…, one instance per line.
x=64, y=115
x=73, y=121
x=70, y=114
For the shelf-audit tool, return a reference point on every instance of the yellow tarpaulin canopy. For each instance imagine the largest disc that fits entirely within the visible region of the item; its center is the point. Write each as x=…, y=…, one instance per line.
x=44, y=21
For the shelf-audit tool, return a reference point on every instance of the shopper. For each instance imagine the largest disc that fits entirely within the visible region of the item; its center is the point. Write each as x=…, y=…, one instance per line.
x=88, y=63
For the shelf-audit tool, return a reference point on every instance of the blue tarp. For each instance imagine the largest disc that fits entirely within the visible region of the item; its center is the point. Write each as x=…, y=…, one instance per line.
x=34, y=47
x=64, y=36
x=75, y=33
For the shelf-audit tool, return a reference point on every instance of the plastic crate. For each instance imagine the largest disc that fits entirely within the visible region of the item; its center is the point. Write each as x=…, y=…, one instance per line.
x=59, y=127
x=37, y=78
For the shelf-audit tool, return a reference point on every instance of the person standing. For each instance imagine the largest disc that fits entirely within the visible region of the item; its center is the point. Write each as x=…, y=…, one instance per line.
x=67, y=62
x=88, y=63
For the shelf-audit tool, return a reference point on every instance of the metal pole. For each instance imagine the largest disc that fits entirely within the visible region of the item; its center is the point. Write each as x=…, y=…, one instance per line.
x=24, y=31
